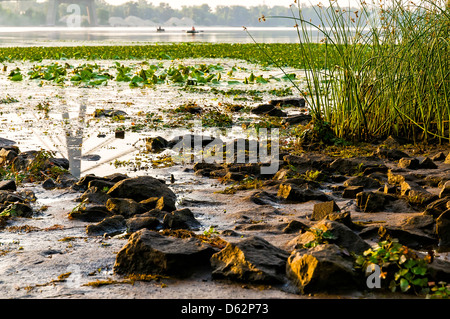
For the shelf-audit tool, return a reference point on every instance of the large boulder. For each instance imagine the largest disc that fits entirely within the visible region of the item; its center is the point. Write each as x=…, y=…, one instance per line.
x=324, y=268
x=250, y=260
x=141, y=188
x=148, y=252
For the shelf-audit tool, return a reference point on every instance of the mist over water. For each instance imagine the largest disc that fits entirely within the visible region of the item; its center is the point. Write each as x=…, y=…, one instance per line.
x=61, y=36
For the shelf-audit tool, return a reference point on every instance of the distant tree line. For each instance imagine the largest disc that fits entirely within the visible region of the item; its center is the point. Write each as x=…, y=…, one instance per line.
x=34, y=13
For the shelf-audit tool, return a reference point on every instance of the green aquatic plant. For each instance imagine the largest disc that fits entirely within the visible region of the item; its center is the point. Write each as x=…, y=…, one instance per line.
x=383, y=70
x=403, y=268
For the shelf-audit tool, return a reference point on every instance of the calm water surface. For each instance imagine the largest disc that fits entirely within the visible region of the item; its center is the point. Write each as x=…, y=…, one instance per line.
x=52, y=36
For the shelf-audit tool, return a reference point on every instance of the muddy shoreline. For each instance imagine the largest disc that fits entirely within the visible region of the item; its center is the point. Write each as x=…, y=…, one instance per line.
x=49, y=255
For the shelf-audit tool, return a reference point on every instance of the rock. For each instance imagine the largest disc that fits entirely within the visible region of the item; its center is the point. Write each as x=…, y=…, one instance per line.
x=351, y=191
x=148, y=252
x=344, y=218
x=443, y=230
x=409, y=163
x=268, y=109
x=149, y=203
x=27, y=194
x=322, y=210
x=124, y=206
x=291, y=101
x=8, y=185
x=90, y=157
x=153, y=213
x=302, y=119
x=396, y=177
x=7, y=156
x=438, y=157
x=61, y=162
x=49, y=183
x=83, y=182
x=427, y=163
x=439, y=270
x=437, y=207
x=343, y=166
x=9, y=196
x=445, y=191
x=119, y=134
x=424, y=223
x=4, y=142
x=94, y=195
x=141, y=188
x=16, y=209
x=293, y=193
x=109, y=113
x=389, y=189
x=109, y=226
x=101, y=184
x=165, y=204
x=250, y=260
x=136, y=223
x=394, y=141
x=115, y=177
x=295, y=226
x=364, y=181
x=415, y=192
x=343, y=236
x=414, y=238
x=263, y=198
x=192, y=141
x=65, y=180
x=91, y=213
x=276, y=112
x=324, y=268
x=23, y=160
x=181, y=219
x=233, y=176
x=156, y=144
x=370, y=202
x=447, y=159
x=390, y=154
x=262, y=109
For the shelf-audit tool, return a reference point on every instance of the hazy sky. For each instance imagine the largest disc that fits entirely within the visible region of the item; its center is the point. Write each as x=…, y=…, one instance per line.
x=176, y=4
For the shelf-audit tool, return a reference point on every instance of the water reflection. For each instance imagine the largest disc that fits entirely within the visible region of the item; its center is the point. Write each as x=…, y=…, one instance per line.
x=75, y=141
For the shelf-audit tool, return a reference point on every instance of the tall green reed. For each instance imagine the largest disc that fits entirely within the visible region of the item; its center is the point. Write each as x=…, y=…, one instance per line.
x=385, y=69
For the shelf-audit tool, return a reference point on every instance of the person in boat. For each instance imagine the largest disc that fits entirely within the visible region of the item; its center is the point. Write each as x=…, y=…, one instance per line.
x=193, y=29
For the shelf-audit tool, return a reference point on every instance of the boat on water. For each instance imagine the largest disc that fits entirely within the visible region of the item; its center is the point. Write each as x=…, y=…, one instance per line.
x=159, y=29
x=193, y=31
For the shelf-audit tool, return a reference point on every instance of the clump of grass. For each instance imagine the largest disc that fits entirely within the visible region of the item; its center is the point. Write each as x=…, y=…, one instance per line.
x=385, y=69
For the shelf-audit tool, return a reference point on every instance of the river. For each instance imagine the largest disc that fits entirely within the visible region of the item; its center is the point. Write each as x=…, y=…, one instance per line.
x=64, y=36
